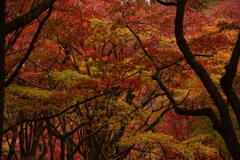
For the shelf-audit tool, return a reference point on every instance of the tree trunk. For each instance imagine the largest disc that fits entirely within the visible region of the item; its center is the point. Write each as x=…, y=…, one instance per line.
x=231, y=141
x=2, y=70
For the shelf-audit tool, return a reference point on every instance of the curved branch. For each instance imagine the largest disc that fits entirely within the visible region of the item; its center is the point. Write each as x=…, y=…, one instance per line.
x=184, y=111
x=167, y=3
x=30, y=49
x=226, y=128
x=58, y=114
x=51, y=128
x=227, y=80
x=26, y=18
x=139, y=40
x=197, y=67
x=82, y=141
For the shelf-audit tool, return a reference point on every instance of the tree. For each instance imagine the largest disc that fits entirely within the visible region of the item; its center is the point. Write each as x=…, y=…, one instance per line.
x=2, y=70
x=222, y=124
x=86, y=92
x=76, y=93
x=6, y=28
x=81, y=91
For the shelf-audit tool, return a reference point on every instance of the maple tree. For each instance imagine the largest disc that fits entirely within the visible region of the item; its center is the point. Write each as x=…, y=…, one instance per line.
x=85, y=90
x=223, y=124
x=8, y=27
x=63, y=82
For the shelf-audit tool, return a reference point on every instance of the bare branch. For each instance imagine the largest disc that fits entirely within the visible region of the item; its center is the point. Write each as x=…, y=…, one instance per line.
x=184, y=111
x=26, y=18
x=139, y=40
x=30, y=49
x=58, y=114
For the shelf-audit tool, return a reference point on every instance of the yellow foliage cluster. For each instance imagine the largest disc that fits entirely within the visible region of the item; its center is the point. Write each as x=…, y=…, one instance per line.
x=188, y=147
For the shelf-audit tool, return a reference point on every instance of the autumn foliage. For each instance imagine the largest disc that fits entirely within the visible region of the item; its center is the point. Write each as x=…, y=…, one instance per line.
x=80, y=80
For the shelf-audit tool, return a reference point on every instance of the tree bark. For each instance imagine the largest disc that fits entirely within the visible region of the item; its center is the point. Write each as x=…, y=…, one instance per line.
x=225, y=128
x=26, y=18
x=6, y=29
x=2, y=70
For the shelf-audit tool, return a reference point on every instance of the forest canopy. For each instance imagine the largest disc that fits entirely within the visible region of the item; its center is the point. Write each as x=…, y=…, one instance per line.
x=112, y=79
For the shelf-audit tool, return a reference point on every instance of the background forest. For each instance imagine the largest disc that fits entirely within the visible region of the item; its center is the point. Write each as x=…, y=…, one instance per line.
x=114, y=79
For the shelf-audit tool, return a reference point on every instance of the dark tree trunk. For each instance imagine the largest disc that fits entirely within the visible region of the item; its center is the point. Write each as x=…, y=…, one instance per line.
x=2, y=71
x=223, y=124
x=13, y=143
